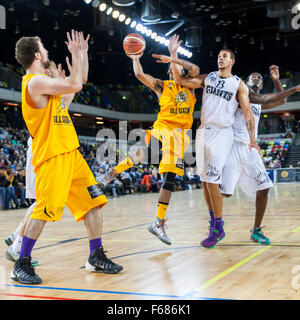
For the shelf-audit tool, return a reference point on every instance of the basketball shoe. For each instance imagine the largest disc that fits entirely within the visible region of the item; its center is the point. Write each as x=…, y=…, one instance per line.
x=98, y=262
x=158, y=229
x=23, y=272
x=215, y=235
x=257, y=236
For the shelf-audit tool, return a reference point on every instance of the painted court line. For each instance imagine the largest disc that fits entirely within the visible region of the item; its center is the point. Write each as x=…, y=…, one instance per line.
x=109, y=292
x=226, y=272
x=36, y=297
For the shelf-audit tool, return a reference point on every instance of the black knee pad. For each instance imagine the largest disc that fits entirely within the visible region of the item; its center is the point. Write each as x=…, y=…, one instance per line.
x=169, y=181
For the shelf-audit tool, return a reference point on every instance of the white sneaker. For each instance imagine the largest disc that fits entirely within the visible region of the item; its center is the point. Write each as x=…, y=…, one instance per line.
x=158, y=229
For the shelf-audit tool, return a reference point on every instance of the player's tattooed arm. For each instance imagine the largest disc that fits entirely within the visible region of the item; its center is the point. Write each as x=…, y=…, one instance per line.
x=269, y=101
x=155, y=84
x=193, y=69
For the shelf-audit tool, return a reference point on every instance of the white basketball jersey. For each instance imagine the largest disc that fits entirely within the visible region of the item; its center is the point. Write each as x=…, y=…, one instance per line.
x=240, y=132
x=219, y=102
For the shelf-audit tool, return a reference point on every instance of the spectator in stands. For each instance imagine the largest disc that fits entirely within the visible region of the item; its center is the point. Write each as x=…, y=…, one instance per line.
x=20, y=188
x=145, y=183
x=155, y=181
x=4, y=183
x=126, y=180
x=10, y=190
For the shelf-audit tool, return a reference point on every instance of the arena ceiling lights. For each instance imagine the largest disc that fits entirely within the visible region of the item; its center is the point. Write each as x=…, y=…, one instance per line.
x=138, y=26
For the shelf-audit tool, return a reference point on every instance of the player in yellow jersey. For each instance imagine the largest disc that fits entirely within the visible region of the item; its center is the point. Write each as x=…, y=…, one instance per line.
x=168, y=135
x=62, y=175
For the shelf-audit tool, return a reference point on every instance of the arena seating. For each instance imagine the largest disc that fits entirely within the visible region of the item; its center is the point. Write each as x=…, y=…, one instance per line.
x=275, y=152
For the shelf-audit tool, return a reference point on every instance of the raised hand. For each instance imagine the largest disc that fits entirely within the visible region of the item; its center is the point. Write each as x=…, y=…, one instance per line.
x=84, y=42
x=274, y=72
x=74, y=44
x=161, y=58
x=174, y=44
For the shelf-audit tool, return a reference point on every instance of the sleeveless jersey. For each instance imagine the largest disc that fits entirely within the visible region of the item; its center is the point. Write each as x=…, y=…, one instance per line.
x=50, y=127
x=240, y=132
x=176, y=107
x=219, y=100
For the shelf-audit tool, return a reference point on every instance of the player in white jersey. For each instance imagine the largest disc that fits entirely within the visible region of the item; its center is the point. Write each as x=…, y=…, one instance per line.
x=221, y=94
x=244, y=167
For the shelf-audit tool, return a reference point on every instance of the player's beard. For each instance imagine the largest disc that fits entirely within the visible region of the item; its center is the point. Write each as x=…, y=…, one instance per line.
x=254, y=86
x=46, y=64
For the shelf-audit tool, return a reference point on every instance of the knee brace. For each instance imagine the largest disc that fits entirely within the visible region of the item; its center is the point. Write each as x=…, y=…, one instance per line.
x=169, y=181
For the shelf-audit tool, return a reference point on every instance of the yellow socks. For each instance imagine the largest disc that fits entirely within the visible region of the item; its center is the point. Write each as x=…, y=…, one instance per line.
x=124, y=165
x=161, y=210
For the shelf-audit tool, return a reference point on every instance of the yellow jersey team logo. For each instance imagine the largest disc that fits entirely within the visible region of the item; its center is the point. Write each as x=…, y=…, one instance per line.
x=181, y=97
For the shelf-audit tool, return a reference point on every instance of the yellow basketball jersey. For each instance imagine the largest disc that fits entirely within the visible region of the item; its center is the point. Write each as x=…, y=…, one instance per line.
x=176, y=107
x=51, y=127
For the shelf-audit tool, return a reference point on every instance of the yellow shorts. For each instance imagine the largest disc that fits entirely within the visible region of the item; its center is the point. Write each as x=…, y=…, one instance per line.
x=174, y=143
x=66, y=180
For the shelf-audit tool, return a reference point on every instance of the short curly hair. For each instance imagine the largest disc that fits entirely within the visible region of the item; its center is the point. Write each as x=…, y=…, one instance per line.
x=26, y=47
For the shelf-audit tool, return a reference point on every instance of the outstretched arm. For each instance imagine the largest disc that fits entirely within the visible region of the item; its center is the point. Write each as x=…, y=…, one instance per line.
x=153, y=83
x=269, y=101
x=272, y=100
x=194, y=83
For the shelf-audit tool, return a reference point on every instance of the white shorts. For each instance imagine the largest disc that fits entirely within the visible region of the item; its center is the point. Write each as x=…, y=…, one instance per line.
x=245, y=168
x=30, y=176
x=213, y=146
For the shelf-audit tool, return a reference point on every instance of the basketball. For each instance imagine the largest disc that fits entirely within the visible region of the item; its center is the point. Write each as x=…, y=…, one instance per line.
x=134, y=44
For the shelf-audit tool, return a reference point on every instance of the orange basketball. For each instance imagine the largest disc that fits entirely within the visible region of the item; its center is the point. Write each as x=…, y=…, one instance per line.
x=134, y=44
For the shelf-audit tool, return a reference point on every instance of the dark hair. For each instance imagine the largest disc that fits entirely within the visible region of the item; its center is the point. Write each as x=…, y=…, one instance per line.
x=184, y=69
x=248, y=78
x=26, y=48
x=232, y=55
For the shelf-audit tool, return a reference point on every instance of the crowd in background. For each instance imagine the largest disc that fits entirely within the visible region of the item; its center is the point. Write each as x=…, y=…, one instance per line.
x=142, y=178
x=275, y=153
x=13, y=148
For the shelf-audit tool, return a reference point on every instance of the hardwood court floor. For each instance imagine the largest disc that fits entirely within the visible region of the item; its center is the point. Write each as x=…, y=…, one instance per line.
x=235, y=269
